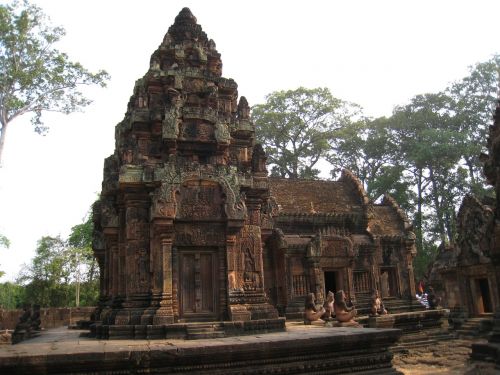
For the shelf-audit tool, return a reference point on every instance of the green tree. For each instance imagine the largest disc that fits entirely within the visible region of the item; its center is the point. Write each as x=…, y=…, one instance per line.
x=83, y=264
x=35, y=76
x=367, y=148
x=12, y=295
x=47, y=278
x=5, y=243
x=473, y=103
x=429, y=149
x=296, y=128
x=63, y=272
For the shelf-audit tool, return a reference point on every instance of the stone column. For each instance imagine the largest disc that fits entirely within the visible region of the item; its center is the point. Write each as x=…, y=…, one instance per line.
x=164, y=314
x=411, y=252
x=111, y=268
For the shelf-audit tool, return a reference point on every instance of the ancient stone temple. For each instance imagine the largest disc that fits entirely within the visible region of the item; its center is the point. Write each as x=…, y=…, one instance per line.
x=491, y=350
x=329, y=236
x=189, y=227
x=463, y=273
x=178, y=223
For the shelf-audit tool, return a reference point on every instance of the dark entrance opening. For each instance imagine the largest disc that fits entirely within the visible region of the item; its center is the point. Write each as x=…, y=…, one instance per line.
x=330, y=282
x=388, y=282
x=484, y=289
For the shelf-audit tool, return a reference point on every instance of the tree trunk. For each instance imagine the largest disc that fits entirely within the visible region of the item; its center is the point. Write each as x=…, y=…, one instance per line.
x=418, y=218
x=470, y=166
x=437, y=207
x=3, y=133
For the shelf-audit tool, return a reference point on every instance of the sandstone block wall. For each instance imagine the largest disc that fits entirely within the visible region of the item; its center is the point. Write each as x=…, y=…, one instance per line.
x=52, y=317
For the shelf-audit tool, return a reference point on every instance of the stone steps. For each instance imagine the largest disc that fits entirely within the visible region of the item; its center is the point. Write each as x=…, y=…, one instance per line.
x=393, y=305
x=475, y=327
x=204, y=331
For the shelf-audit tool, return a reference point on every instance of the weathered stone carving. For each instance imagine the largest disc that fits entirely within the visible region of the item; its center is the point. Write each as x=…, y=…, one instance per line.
x=259, y=159
x=200, y=234
x=222, y=132
x=311, y=314
x=474, y=222
x=343, y=313
x=170, y=124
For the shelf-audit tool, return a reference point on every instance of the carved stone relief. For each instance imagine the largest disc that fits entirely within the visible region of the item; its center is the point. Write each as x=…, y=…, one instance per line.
x=250, y=255
x=200, y=200
x=137, y=227
x=200, y=234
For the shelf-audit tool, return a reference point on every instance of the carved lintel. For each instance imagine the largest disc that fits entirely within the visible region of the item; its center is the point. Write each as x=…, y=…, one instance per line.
x=109, y=215
x=130, y=174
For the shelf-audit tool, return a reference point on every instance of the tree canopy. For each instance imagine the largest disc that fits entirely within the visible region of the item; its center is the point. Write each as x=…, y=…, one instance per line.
x=34, y=76
x=63, y=272
x=4, y=243
x=426, y=154
x=296, y=128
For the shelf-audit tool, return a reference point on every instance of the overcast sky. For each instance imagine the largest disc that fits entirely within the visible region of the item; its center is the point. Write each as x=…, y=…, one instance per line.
x=375, y=53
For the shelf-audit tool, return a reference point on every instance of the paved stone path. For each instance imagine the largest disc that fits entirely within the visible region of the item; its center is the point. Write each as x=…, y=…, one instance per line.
x=68, y=341
x=447, y=357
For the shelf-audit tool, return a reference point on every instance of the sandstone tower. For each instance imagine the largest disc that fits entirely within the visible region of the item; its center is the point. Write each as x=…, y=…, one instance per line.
x=177, y=226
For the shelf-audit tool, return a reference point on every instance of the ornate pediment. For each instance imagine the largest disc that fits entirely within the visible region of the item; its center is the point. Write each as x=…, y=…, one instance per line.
x=331, y=246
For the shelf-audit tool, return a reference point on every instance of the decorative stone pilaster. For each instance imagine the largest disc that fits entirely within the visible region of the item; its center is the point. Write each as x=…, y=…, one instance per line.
x=162, y=292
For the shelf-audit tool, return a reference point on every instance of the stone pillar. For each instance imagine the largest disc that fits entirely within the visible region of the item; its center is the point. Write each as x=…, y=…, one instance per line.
x=133, y=279
x=111, y=269
x=110, y=274
x=253, y=209
x=495, y=260
x=411, y=252
x=122, y=253
x=350, y=285
x=163, y=281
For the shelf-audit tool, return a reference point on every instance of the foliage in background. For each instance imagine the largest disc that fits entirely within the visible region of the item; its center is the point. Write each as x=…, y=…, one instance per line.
x=34, y=76
x=296, y=128
x=62, y=273
x=4, y=243
x=426, y=155
x=12, y=295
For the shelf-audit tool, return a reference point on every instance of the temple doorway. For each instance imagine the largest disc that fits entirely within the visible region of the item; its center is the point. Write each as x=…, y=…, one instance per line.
x=331, y=281
x=484, y=298
x=388, y=282
x=198, y=289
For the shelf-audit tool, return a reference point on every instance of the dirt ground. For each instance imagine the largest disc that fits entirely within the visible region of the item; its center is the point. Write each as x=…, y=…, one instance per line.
x=448, y=357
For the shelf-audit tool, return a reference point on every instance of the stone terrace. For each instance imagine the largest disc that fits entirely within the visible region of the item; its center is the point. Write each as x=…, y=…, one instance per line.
x=302, y=349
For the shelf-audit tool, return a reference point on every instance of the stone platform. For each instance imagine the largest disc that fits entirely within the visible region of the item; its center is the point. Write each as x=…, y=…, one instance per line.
x=188, y=331
x=301, y=349
x=409, y=322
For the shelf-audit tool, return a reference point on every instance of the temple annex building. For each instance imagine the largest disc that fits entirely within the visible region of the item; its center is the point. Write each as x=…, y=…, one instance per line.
x=189, y=226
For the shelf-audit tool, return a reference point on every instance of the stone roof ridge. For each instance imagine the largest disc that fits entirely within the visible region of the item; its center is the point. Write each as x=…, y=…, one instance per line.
x=185, y=16
x=390, y=201
x=333, y=231
x=349, y=177
x=319, y=214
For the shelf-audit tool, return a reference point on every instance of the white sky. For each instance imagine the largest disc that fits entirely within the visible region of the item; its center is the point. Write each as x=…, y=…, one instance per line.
x=375, y=53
